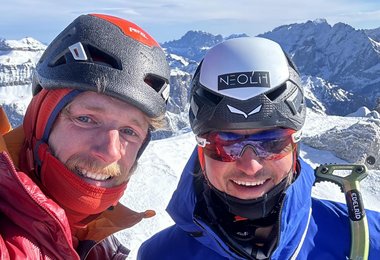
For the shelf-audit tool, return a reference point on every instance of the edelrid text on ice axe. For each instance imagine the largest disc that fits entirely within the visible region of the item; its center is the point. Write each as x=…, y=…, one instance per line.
x=350, y=186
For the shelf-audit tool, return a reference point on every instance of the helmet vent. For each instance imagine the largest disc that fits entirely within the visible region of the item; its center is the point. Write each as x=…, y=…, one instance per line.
x=102, y=58
x=273, y=95
x=97, y=56
x=155, y=82
x=60, y=61
x=191, y=115
x=207, y=95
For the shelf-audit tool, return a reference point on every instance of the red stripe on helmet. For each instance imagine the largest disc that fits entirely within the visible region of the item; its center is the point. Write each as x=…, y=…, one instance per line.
x=130, y=29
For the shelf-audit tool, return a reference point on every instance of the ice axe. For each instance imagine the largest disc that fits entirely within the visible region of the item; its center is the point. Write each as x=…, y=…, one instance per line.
x=350, y=186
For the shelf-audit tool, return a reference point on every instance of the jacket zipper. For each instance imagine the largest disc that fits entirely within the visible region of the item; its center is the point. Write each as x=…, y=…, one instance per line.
x=35, y=247
x=298, y=249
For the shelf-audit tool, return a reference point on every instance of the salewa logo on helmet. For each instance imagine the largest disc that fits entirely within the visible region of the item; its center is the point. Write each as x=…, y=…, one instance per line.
x=238, y=111
x=244, y=80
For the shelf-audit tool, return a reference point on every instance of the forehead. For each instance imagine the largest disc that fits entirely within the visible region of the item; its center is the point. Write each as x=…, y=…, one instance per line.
x=93, y=97
x=96, y=102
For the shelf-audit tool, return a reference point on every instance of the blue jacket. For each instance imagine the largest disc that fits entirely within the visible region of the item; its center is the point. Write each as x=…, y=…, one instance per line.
x=309, y=228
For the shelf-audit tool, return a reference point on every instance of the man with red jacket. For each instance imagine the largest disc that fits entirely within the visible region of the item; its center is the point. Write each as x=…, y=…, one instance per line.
x=98, y=90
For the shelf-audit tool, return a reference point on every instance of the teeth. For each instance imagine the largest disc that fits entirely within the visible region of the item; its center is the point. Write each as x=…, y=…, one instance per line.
x=250, y=183
x=92, y=175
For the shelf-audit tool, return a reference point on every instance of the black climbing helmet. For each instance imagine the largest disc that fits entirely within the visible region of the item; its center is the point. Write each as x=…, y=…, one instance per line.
x=108, y=55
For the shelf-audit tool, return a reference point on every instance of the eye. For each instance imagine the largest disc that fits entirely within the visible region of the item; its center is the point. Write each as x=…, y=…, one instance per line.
x=128, y=132
x=280, y=150
x=84, y=119
x=276, y=146
x=132, y=135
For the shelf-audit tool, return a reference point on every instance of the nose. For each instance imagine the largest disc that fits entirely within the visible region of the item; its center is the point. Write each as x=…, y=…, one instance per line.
x=108, y=147
x=248, y=162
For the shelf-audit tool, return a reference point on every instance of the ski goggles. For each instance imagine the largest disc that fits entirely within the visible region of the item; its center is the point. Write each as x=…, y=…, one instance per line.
x=269, y=145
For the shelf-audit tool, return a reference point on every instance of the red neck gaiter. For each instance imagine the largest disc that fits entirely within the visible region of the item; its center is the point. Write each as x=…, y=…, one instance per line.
x=81, y=201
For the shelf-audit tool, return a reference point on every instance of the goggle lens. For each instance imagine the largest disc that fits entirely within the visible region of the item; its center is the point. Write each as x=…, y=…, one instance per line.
x=268, y=145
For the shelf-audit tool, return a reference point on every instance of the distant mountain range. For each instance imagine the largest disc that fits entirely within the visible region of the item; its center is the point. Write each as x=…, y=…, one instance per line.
x=341, y=55
x=340, y=65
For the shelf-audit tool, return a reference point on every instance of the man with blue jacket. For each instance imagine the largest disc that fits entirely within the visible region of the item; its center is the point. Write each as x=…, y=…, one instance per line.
x=245, y=193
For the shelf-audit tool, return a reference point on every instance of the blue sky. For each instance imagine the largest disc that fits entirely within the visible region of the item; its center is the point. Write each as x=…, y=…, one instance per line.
x=170, y=19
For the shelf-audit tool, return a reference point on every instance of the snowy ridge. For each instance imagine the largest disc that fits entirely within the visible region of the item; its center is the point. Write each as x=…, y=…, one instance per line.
x=373, y=34
x=365, y=112
x=376, y=45
x=353, y=141
x=193, y=45
x=18, y=60
x=14, y=100
x=25, y=44
x=320, y=95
